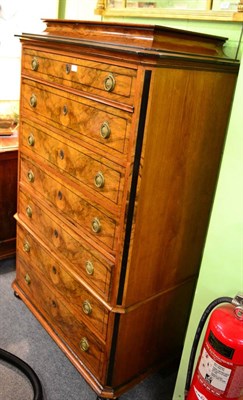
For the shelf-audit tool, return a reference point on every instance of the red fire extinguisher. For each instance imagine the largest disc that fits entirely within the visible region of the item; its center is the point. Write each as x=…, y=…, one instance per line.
x=219, y=371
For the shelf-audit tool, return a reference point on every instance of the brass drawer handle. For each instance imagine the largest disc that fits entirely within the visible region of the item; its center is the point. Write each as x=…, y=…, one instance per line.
x=84, y=344
x=27, y=279
x=31, y=140
x=33, y=101
x=26, y=247
x=96, y=225
x=89, y=267
x=109, y=83
x=29, y=211
x=105, y=130
x=34, y=64
x=30, y=176
x=99, y=180
x=87, y=308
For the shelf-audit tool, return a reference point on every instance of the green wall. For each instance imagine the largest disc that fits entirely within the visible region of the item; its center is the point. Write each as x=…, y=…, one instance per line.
x=61, y=9
x=221, y=272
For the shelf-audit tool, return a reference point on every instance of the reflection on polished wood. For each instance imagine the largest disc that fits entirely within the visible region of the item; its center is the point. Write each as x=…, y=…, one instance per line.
x=8, y=193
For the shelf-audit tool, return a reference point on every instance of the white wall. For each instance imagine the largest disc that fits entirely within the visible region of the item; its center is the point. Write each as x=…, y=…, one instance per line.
x=17, y=16
x=81, y=9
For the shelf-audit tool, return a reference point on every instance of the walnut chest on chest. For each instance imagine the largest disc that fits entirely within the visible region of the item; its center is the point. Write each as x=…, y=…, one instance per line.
x=121, y=135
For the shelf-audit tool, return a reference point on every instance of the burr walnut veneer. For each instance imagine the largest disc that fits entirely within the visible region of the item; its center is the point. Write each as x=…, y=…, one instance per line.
x=122, y=130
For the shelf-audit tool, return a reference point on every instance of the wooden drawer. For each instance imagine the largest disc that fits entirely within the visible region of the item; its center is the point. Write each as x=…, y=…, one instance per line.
x=76, y=115
x=71, y=330
x=70, y=204
x=84, y=260
x=112, y=82
x=97, y=173
x=88, y=308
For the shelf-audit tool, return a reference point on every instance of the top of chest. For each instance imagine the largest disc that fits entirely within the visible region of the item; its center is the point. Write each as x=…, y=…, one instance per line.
x=137, y=42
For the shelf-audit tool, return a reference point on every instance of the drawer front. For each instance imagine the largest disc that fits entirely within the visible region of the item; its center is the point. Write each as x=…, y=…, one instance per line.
x=85, y=261
x=102, y=79
x=90, y=310
x=83, y=118
x=70, y=204
x=99, y=175
x=71, y=331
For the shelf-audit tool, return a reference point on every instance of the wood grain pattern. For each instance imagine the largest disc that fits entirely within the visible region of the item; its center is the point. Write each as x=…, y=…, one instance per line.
x=68, y=203
x=66, y=244
x=142, y=36
x=77, y=162
x=83, y=75
x=58, y=313
x=63, y=282
x=185, y=151
x=82, y=116
x=152, y=333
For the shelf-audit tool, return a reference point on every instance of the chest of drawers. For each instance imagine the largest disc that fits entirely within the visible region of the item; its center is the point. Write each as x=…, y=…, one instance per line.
x=121, y=135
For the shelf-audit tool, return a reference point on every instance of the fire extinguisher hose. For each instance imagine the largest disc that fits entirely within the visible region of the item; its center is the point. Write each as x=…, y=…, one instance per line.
x=26, y=369
x=201, y=324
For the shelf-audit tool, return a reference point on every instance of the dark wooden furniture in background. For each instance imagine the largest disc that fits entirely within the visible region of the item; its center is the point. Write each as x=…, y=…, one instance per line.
x=8, y=194
x=121, y=135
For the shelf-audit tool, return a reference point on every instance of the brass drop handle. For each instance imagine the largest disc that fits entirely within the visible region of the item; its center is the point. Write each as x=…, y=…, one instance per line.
x=109, y=83
x=96, y=225
x=29, y=211
x=31, y=140
x=87, y=308
x=105, y=130
x=89, y=267
x=27, y=279
x=34, y=64
x=99, y=180
x=84, y=344
x=33, y=101
x=30, y=176
x=26, y=247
